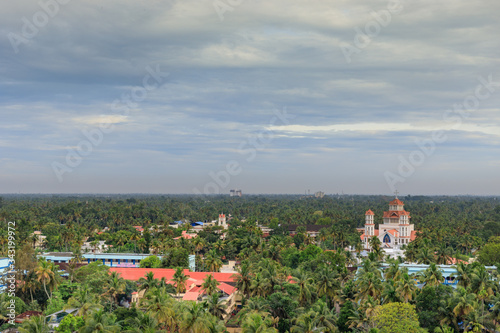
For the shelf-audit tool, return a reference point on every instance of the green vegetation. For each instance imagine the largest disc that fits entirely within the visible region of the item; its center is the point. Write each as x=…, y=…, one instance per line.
x=287, y=283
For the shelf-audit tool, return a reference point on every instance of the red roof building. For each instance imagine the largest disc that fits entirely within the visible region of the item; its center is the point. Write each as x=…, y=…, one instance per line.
x=194, y=290
x=395, y=230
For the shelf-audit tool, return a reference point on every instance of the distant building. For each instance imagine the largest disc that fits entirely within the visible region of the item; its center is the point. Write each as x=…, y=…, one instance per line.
x=222, y=221
x=94, y=247
x=395, y=230
x=319, y=194
x=39, y=239
x=194, y=291
x=312, y=230
x=235, y=193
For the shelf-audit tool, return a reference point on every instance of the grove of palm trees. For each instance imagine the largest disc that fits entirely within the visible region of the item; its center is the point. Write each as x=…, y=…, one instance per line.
x=286, y=282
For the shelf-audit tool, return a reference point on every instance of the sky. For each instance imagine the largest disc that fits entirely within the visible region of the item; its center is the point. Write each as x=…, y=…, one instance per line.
x=282, y=96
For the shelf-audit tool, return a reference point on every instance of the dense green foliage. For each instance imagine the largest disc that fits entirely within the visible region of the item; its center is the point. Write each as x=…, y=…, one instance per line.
x=288, y=283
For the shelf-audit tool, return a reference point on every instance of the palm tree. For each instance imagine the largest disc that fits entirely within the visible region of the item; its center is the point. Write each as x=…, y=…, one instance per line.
x=368, y=285
x=305, y=283
x=212, y=262
x=143, y=323
x=243, y=280
x=148, y=282
x=194, y=318
x=432, y=276
x=328, y=282
x=115, y=286
x=100, y=321
x=260, y=285
x=255, y=306
x=30, y=284
x=464, y=303
x=389, y=294
x=325, y=317
x=307, y=323
x=210, y=284
x=481, y=280
x=215, y=306
x=36, y=324
x=425, y=256
x=45, y=274
x=254, y=323
x=464, y=272
x=406, y=287
x=179, y=280
x=443, y=254
x=162, y=307
x=83, y=300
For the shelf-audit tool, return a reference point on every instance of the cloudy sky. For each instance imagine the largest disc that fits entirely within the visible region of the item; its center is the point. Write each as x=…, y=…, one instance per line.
x=273, y=96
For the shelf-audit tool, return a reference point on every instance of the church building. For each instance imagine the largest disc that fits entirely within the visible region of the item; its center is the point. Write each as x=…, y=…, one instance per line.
x=395, y=230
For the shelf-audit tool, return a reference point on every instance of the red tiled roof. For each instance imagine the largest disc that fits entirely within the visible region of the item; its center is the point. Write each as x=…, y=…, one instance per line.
x=376, y=232
x=186, y=235
x=395, y=213
x=369, y=212
x=134, y=274
x=396, y=202
x=226, y=288
x=393, y=232
x=413, y=235
x=190, y=296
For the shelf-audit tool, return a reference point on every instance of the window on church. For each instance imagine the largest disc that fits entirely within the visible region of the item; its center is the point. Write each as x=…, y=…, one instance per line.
x=387, y=239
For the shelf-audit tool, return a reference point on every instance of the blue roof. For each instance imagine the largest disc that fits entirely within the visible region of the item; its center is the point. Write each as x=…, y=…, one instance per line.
x=178, y=222
x=196, y=223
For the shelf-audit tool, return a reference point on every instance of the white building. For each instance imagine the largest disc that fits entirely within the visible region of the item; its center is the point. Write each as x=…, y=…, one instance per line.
x=395, y=229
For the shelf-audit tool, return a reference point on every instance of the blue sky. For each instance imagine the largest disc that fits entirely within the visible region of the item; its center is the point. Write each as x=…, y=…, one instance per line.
x=350, y=121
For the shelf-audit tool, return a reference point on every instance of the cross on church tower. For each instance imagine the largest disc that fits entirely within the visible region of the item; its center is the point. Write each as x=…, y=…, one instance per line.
x=396, y=193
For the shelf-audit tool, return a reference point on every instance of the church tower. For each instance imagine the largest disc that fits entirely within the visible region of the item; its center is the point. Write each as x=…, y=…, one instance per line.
x=222, y=221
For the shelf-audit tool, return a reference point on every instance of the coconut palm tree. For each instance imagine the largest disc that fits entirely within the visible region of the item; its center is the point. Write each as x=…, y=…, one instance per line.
x=83, y=300
x=194, y=318
x=389, y=294
x=464, y=274
x=243, y=280
x=159, y=304
x=307, y=323
x=368, y=285
x=325, y=317
x=482, y=280
x=254, y=323
x=36, y=324
x=425, y=256
x=464, y=303
x=114, y=286
x=210, y=284
x=143, y=323
x=406, y=287
x=443, y=254
x=148, y=282
x=100, y=321
x=212, y=261
x=328, y=283
x=432, y=276
x=45, y=274
x=179, y=280
x=215, y=306
x=305, y=283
